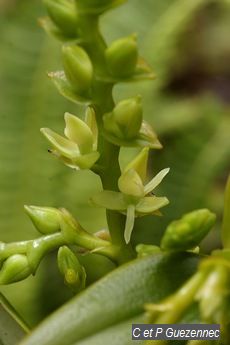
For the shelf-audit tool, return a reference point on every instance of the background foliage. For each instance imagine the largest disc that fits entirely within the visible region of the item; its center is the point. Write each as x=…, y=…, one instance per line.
x=187, y=44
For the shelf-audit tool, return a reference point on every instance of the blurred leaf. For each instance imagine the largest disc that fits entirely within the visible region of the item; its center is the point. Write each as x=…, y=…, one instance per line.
x=114, y=301
x=12, y=328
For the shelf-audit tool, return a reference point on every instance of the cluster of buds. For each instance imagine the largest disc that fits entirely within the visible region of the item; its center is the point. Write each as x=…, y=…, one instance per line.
x=89, y=68
x=20, y=259
x=135, y=198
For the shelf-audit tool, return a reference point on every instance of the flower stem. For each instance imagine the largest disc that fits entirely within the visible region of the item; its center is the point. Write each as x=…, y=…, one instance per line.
x=102, y=102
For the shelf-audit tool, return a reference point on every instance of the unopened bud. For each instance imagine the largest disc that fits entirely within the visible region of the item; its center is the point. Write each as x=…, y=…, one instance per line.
x=125, y=120
x=45, y=219
x=63, y=14
x=189, y=231
x=14, y=269
x=69, y=266
x=121, y=57
x=78, y=68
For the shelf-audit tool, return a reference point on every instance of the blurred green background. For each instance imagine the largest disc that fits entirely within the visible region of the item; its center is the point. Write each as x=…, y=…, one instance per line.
x=187, y=44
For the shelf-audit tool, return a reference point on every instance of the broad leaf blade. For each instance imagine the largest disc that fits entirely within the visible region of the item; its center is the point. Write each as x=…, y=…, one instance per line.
x=114, y=299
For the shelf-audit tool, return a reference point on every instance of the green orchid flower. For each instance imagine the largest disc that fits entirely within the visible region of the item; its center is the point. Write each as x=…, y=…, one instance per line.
x=134, y=198
x=79, y=149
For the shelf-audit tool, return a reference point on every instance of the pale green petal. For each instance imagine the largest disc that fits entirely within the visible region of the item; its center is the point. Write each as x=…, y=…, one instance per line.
x=130, y=219
x=90, y=120
x=156, y=180
x=130, y=184
x=86, y=161
x=150, y=204
x=78, y=131
x=139, y=163
x=110, y=200
x=64, y=146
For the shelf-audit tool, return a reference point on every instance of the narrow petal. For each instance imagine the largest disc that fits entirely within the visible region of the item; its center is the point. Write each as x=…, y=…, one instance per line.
x=150, y=204
x=130, y=184
x=78, y=131
x=64, y=146
x=156, y=181
x=130, y=218
x=110, y=200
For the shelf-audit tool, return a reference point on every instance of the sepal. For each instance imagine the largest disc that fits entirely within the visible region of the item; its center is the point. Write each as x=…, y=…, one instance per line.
x=73, y=272
x=65, y=89
x=133, y=200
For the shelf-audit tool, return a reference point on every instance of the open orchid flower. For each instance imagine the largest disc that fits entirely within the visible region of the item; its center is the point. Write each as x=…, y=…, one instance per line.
x=78, y=148
x=134, y=198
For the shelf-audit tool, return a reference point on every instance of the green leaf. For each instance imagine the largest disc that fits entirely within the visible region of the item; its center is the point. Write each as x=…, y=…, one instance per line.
x=12, y=328
x=114, y=300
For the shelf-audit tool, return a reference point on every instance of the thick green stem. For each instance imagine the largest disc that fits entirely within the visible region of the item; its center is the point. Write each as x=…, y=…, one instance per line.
x=102, y=101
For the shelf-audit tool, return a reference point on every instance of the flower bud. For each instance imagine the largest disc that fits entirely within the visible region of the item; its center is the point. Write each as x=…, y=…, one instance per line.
x=78, y=68
x=45, y=219
x=125, y=120
x=189, y=231
x=63, y=14
x=121, y=57
x=69, y=266
x=14, y=269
